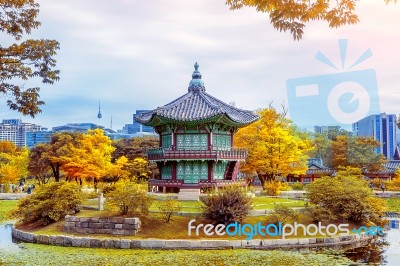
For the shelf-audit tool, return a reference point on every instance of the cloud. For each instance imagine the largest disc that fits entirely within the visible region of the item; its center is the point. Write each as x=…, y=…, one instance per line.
x=133, y=54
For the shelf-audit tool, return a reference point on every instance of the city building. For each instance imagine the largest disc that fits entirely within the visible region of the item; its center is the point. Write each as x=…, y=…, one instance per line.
x=196, y=140
x=381, y=127
x=322, y=129
x=34, y=138
x=127, y=129
x=76, y=127
x=14, y=130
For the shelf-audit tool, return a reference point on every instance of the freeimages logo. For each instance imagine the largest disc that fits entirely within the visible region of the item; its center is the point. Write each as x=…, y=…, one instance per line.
x=341, y=98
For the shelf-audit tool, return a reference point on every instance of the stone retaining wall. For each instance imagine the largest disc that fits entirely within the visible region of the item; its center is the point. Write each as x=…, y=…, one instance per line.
x=12, y=196
x=94, y=242
x=102, y=225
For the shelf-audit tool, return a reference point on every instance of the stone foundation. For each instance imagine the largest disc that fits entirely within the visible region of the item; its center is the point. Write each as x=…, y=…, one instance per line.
x=102, y=225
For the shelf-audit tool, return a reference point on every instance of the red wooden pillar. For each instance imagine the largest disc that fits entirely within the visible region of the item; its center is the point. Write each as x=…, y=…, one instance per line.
x=173, y=165
x=210, y=170
x=210, y=141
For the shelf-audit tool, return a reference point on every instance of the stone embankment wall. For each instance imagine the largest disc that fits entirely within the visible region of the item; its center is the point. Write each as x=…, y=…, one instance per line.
x=102, y=225
x=93, y=242
x=12, y=196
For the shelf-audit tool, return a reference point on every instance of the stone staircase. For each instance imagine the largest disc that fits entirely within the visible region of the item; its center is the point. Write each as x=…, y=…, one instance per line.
x=189, y=194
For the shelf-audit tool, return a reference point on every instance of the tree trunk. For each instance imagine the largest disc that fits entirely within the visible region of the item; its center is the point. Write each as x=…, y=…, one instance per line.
x=95, y=182
x=56, y=171
x=261, y=177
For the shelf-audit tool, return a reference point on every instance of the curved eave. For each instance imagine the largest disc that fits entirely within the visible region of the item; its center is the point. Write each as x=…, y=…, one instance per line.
x=158, y=120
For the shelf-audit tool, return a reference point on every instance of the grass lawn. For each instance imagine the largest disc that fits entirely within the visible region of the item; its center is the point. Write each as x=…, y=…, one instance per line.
x=154, y=227
x=5, y=207
x=393, y=204
x=265, y=203
x=260, y=203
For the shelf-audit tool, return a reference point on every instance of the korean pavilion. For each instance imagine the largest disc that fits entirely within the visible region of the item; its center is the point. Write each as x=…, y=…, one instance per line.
x=196, y=140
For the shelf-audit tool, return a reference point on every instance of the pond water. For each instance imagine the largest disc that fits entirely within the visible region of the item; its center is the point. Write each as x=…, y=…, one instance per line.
x=384, y=251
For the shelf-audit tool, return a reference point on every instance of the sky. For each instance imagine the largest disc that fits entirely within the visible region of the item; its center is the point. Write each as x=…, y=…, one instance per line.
x=131, y=54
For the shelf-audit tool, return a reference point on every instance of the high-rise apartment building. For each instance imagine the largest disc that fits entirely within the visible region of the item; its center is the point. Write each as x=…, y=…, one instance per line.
x=14, y=130
x=381, y=127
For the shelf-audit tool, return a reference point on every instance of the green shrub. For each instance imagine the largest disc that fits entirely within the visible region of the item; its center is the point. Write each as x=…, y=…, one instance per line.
x=346, y=198
x=274, y=187
x=318, y=214
x=297, y=186
x=49, y=203
x=168, y=207
x=129, y=198
x=282, y=214
x=228, y=205
x=107, y=188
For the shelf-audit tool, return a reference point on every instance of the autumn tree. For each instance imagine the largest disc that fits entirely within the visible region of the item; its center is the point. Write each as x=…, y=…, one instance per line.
x=292, y=16
x=58, y=149
x=343, y=149
x=13, y=162
x=135, y=150
x=39, y=165
x=134, y=147
x=24, y=60
x=89, y=158
x=118, y=170
x=275, y=147
x=323, y=144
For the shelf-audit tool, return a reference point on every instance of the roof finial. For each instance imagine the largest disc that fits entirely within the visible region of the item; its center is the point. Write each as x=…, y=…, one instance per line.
x=196, y=84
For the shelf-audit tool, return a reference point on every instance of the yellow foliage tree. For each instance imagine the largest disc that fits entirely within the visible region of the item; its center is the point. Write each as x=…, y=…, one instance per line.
x=13, y=162
x=394, y=184
x=140, y=168
x=90, y=158
x=118, y=170
x=275, y=147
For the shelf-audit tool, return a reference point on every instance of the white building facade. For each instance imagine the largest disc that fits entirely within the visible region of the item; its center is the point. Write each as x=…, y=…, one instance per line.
x=14, y=130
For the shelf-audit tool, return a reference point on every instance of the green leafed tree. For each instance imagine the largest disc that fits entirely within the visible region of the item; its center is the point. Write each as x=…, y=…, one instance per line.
x=342, y=149
x=24, y=60
x=292, y=16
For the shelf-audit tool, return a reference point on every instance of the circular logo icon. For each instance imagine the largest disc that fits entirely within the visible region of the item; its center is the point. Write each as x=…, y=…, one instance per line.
x=348, y=102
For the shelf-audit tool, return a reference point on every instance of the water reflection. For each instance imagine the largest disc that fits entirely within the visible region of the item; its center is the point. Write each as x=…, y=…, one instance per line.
x=384, y=251
x=6, y=241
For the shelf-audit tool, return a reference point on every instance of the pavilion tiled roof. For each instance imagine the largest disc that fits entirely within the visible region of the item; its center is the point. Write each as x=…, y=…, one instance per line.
x=326, y=171
x=388, y=168
x=197, y=105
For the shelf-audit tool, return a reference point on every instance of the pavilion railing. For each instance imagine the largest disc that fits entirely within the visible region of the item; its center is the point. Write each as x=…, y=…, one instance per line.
x=200, y=184
x=161, y=154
